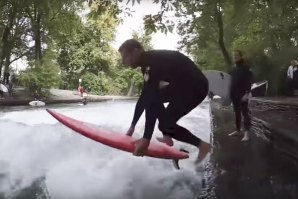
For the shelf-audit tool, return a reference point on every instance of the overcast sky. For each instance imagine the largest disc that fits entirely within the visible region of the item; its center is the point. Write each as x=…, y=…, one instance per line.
x=129, y=24
x=159, y=40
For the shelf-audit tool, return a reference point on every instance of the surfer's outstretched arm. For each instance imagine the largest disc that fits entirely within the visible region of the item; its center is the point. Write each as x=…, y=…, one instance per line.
x=139, y=109
x=149, y=96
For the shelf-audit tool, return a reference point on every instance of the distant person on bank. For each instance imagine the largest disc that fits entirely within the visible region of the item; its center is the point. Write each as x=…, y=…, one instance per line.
x=240, y=89
x=290, y=77
x=295, y=79
x=36, y=96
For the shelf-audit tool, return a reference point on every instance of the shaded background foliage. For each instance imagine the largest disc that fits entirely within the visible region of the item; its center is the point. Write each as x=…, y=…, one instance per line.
x=62, y=44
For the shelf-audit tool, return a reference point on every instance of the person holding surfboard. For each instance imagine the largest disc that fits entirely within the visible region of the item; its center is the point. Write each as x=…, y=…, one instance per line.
x=169, y=76
x=36, y=96
x=240, y=88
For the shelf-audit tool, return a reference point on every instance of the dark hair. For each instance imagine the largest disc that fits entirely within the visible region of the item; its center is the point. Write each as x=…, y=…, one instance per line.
x=239, y=52
x=130, y=45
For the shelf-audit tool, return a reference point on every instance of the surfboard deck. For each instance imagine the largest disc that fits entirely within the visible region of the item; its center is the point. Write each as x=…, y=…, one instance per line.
x=219, y=84
x=257, y=84
x=117, y=140
x=3, y=88
x=37, y=103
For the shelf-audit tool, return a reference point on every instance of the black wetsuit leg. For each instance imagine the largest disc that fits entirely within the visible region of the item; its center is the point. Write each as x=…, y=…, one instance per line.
x=181, y=102
x=241, y=107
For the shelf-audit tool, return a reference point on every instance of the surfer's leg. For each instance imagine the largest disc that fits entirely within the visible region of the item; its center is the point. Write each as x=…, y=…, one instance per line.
x=169, y=116
x=160, y=110
x=177, y=108
x=182, y=134
x=168, y=126
x=165, y=95
x=236, y=101
x=246, y=118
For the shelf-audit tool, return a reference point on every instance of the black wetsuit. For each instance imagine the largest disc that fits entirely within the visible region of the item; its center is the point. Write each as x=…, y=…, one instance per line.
x=295, y=77
x=36, y=96
x=169, y=76
x=241, y=85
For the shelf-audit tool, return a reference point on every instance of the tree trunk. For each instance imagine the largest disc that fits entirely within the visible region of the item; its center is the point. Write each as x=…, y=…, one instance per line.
x=37, y=31
x=7, y=59
x=1, y=51
x=221, y=42
x=5, y=37
x=1, y=63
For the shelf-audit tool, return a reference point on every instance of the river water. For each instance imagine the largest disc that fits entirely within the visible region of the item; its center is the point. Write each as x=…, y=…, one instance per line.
x=41, y=158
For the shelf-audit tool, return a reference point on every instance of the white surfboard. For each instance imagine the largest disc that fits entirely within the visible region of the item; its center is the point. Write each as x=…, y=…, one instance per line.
x=259, y=89
x=257, y=84
x=219, y=84
x=37, y=103
x=3, y=88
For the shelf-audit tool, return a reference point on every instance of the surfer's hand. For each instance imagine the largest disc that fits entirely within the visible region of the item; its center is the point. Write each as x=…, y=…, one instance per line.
x=130, y=130
x=141, y=147
x=245, y=98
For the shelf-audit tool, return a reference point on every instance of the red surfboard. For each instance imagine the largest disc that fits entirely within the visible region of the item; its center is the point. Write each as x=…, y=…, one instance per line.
x=117, y=140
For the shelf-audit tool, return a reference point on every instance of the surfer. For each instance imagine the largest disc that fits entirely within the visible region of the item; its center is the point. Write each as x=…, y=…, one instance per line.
x=240, y=89
x=36, y=96
x=169, y=76
x=84, y=102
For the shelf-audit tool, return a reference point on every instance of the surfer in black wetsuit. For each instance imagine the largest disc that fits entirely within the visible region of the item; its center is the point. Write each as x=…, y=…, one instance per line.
x=240, y=89
x=36, y=96
x=169, y=76
x=84, y=102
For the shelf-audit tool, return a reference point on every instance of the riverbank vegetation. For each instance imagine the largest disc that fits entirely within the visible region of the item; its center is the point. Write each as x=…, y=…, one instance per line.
x=67, y=40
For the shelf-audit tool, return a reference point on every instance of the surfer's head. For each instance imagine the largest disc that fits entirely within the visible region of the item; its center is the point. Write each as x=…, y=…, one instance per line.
x=238, y=56
x=131, y=51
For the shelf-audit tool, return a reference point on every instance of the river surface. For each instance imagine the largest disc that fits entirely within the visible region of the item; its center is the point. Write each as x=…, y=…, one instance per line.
x=41, y=158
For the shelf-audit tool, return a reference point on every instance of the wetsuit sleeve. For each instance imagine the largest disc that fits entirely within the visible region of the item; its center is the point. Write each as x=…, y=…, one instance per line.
x=248, y=81
x=139, y=109
x=151, y=102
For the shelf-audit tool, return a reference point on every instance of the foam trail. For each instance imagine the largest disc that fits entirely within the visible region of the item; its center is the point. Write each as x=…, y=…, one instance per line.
x=33, y=145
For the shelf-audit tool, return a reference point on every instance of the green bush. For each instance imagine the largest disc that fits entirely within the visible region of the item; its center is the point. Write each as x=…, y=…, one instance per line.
x=43, y=75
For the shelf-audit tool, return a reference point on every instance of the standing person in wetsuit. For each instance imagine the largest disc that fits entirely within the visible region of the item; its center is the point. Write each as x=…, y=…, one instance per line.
x=240, y=89
x=36, y=96
x=169, y=76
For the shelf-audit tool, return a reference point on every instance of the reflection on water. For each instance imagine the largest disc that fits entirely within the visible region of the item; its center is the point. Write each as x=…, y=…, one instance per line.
x=40, y=158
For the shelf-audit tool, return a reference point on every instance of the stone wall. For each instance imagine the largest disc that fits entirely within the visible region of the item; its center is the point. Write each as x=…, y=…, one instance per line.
x=276, y=121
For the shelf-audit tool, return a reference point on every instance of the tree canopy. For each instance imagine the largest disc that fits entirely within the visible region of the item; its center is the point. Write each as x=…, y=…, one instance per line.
x=70, y=39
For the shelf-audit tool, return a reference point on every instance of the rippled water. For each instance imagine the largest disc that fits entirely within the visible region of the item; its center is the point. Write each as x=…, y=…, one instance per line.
x=41, y=158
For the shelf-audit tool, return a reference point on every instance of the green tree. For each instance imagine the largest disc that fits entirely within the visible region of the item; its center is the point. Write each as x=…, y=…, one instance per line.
x=43, y=75
x=265, y=30
x=87, y=50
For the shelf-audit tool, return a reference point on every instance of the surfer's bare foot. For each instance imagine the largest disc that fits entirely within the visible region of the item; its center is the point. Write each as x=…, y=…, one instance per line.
x=246, y=136
x=166, y=139
x=235, y=133
x=204, y=148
